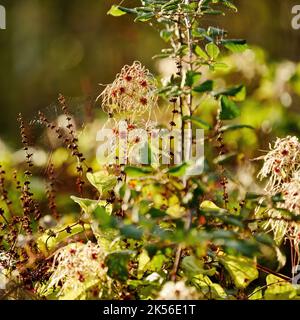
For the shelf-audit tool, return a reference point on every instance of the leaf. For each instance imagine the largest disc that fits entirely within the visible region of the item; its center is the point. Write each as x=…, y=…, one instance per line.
x=178, y=171
x=214, y=32
x=229, y=110
x=229, y=5
x=212, y=50
x=132, y=232
x=256, y=294
x=204, y=87
x=136, y=172
x=117, y=263
x=198, y=122
x=104, y=218
x=199, y=32
x=235, y=45
x=88, y=205
x=46, y=242
x=241, y=269
x=279, y=289
x=102, y=181
x=192, y=266
x=192, y=77
x=233, y=127
x=201, y=53
x=166, y=35
x=208, y=288
x=209, y=205
x=115, y=11
x=143, y=261
x=143, y=17
x=237, y=92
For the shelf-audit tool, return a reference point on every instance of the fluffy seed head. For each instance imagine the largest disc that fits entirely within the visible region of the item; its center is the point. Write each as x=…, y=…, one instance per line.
x=132, y=94
x=280, y=163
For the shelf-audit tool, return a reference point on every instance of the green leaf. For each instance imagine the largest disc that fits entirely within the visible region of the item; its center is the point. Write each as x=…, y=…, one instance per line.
x=279, y=289
x=193, y=266
x=235, y=45
x=143, y=260
x=165, y=35
x=116, y=11
x=143, y=17
x=212, y=50
x=178, y=171
x=104, y=218
x=117, y=263
x=88, y=205
x=204, y=87
x=136, y=172
x=198, y=122
x=208, y=288
x=229, y=5
x=216, y=32
x=237, y=92
x=256, y=294
x=209, y=205
x=233, y=127
x=241, y=269
x=229, y=110
x=201, y=53
x=132, y=232
x=192, y=77
x=102, y=181
x=199, y=32
x=46, y=242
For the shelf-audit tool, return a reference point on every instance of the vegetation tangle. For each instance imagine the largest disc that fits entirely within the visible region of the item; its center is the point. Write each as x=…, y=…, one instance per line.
x=152, y=230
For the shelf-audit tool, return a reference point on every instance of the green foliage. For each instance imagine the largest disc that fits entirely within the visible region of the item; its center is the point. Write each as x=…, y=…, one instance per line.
x=155, y=223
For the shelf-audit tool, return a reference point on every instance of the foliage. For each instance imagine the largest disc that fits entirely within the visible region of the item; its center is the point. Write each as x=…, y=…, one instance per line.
x=149, y=231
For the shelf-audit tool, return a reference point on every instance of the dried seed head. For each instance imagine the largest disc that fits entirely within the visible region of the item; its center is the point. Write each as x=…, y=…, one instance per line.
x=76, y=265
x=280, y=163
x=132, y=94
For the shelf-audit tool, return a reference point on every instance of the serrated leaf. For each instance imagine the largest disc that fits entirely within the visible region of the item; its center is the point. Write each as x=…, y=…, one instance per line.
x=241, y=269
x=229, y=110
x=212, y=50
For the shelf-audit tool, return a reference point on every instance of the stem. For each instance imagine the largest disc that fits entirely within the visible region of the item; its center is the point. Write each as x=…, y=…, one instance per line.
x=189, y=99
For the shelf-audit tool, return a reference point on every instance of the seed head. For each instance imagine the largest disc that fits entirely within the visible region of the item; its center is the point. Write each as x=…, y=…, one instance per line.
x=132, y=94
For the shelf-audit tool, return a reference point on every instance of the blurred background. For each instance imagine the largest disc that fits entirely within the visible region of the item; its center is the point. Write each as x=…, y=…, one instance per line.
x=71, y=46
